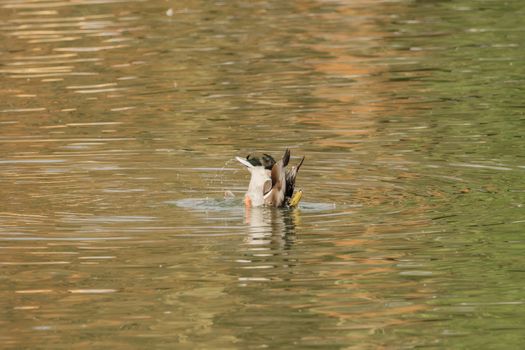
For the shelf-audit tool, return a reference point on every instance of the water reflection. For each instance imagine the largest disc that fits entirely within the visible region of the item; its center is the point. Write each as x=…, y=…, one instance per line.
x=268, y=224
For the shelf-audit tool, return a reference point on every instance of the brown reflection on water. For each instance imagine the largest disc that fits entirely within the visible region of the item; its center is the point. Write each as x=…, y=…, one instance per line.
x=362, y=278
x=358, y=103
x=364, y=68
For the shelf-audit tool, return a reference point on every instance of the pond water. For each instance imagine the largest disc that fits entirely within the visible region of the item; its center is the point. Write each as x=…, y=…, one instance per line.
x=120, y=121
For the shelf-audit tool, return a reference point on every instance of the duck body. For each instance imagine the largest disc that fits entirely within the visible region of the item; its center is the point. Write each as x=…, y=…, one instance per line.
x=259, y=183
x=271, y=184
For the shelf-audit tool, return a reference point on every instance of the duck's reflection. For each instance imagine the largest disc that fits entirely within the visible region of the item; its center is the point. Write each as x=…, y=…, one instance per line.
x=267, y=255
x=271, y=226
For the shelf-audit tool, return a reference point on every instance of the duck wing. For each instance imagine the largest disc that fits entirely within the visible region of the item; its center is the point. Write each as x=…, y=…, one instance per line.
x=275, y=197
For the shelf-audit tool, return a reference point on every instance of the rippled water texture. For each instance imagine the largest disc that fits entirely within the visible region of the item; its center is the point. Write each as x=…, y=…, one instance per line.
x=120, y=121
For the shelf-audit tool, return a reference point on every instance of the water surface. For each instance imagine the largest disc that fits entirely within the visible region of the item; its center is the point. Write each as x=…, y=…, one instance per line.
x=119, y=126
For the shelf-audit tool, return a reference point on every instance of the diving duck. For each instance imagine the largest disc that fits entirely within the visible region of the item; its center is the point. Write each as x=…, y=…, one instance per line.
x=271, y=184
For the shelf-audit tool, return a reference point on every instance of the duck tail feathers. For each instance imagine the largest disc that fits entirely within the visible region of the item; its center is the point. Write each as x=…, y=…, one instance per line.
x=299, y=165
x=286, y=157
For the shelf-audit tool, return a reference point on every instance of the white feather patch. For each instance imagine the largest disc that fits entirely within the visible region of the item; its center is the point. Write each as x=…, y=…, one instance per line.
x=245, y=162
